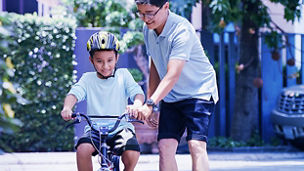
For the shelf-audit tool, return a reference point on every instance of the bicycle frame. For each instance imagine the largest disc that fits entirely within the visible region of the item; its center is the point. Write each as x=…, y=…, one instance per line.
x=109, y=162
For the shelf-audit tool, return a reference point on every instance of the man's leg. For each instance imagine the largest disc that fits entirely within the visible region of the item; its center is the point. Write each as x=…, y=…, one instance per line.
x=129, y=159
x=167, y=150
x=198, y=151
x=84, y=157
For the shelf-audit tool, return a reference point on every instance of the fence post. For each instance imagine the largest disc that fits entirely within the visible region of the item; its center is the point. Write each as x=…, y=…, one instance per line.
x=222, y=85
x=272, y=84
x=291, y=70
x=302, y=59
x=231, y=68
x=208, y=44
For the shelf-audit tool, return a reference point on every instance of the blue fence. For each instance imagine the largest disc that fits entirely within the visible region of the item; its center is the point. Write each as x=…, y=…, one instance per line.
x=223, y=51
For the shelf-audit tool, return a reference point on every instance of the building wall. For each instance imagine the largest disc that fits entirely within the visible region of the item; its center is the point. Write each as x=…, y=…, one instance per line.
x=20, y=6
x=1, y=5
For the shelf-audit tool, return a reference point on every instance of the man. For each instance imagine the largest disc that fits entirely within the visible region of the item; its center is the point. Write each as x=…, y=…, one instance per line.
x=181, y=79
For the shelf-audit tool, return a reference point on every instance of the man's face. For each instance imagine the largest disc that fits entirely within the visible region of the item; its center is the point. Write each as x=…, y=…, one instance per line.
x=104, y=62
x=152, y=15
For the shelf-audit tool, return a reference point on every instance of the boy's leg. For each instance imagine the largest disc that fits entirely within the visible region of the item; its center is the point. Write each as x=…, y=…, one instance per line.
x=124, y=143
x=167, y=150
x=84, y=157
x=198, y=151
x=129, y=159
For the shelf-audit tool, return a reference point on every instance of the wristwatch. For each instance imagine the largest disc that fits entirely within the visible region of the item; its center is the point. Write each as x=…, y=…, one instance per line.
x=150, y=102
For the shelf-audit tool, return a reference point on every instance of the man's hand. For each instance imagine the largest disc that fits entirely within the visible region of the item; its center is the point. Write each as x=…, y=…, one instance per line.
x=66, y=114
x=152, y=120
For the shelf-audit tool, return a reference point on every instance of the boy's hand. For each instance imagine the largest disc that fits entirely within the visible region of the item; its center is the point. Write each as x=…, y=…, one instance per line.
x=144, y=112
x=133, y=110
x=66, y=114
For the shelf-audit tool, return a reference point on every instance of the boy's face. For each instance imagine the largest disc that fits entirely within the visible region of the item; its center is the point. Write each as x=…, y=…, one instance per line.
x=154, y=17
x=104, y=62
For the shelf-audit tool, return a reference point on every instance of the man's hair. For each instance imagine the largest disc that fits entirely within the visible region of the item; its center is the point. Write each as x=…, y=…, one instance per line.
x=157, y=3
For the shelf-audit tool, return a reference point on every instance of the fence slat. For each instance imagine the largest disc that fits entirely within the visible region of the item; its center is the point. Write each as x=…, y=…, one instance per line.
x=291, y=71
x=302, y=59
x=272, y=84
x=222, y=88
x=231, y=69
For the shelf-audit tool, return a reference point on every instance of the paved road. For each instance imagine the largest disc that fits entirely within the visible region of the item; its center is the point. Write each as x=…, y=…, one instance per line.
x=65, y=161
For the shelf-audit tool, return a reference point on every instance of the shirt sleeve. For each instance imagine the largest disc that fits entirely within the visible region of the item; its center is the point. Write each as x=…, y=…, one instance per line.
x=132, y=88
x=182, y=44
x=79, y=89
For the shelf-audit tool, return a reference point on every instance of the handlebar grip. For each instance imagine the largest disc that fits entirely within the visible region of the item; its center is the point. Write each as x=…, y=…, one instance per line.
x=74, y=115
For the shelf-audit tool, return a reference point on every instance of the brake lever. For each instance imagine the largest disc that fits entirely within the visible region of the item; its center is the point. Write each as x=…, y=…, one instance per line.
x=130, y=118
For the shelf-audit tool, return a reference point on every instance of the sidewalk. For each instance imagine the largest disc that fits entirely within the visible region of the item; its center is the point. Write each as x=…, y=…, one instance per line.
x=65, y=161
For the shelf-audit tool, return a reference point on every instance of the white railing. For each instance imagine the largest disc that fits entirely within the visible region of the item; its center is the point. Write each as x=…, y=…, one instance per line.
x=45, y=7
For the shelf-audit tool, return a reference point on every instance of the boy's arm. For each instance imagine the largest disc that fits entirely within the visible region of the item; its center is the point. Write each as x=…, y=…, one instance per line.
x=138, y=102
x=68, y=105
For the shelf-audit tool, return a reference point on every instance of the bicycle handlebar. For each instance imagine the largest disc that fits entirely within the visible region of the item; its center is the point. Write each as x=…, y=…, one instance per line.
x=87, y=118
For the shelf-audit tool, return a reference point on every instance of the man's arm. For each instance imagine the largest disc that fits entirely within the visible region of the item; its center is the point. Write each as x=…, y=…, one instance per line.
x=174, y=69
x=68, y=105
x=153, y=80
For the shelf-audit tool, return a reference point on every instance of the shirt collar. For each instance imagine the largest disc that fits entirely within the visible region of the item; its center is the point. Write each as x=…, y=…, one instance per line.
x=167, y=26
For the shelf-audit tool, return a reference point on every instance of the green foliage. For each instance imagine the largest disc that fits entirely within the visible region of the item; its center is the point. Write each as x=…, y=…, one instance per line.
x=42, y=53
x=101, y=13
x=8, y=95
x=272, y=40
x=131, y=39
x=112, y=15
x=183, y=7
x=137, y=75
x=223, y=142
x=226, y=11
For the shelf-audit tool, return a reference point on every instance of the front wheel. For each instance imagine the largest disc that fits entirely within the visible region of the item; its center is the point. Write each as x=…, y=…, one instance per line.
x=115, y=160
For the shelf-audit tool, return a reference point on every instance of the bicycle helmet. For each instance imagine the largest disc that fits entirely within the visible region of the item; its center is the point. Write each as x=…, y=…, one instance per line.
x=102, y=40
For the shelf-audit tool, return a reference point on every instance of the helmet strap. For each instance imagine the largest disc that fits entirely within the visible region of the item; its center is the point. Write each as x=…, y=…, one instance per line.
x=105, y=77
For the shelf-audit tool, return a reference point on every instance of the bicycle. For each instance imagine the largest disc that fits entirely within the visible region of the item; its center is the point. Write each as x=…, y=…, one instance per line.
x=109, y=161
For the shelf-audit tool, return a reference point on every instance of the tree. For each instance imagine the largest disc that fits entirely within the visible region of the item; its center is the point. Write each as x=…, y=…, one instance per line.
x=249, y=17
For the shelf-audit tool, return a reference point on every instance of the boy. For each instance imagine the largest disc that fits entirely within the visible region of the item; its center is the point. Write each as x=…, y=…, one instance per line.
x=106, y=91
x=183, y=81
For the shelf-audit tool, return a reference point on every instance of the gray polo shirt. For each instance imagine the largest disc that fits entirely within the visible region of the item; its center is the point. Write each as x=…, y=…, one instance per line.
x=178, y=40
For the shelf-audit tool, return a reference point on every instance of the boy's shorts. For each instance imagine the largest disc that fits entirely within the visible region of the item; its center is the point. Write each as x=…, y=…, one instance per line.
x=191, y=114
x=120, y=142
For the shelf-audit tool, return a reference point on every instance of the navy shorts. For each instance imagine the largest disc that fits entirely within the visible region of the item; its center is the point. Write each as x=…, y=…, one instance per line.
x=120, y=142
x=191, y=114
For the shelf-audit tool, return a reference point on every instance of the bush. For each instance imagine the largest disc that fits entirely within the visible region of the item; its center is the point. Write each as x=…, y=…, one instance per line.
x=8, y=95
x=42, y=53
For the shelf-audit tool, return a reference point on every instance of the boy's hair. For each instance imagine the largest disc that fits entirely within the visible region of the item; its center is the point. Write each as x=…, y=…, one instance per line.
x=102, y=40
x=157, y=3
x=93, y=52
